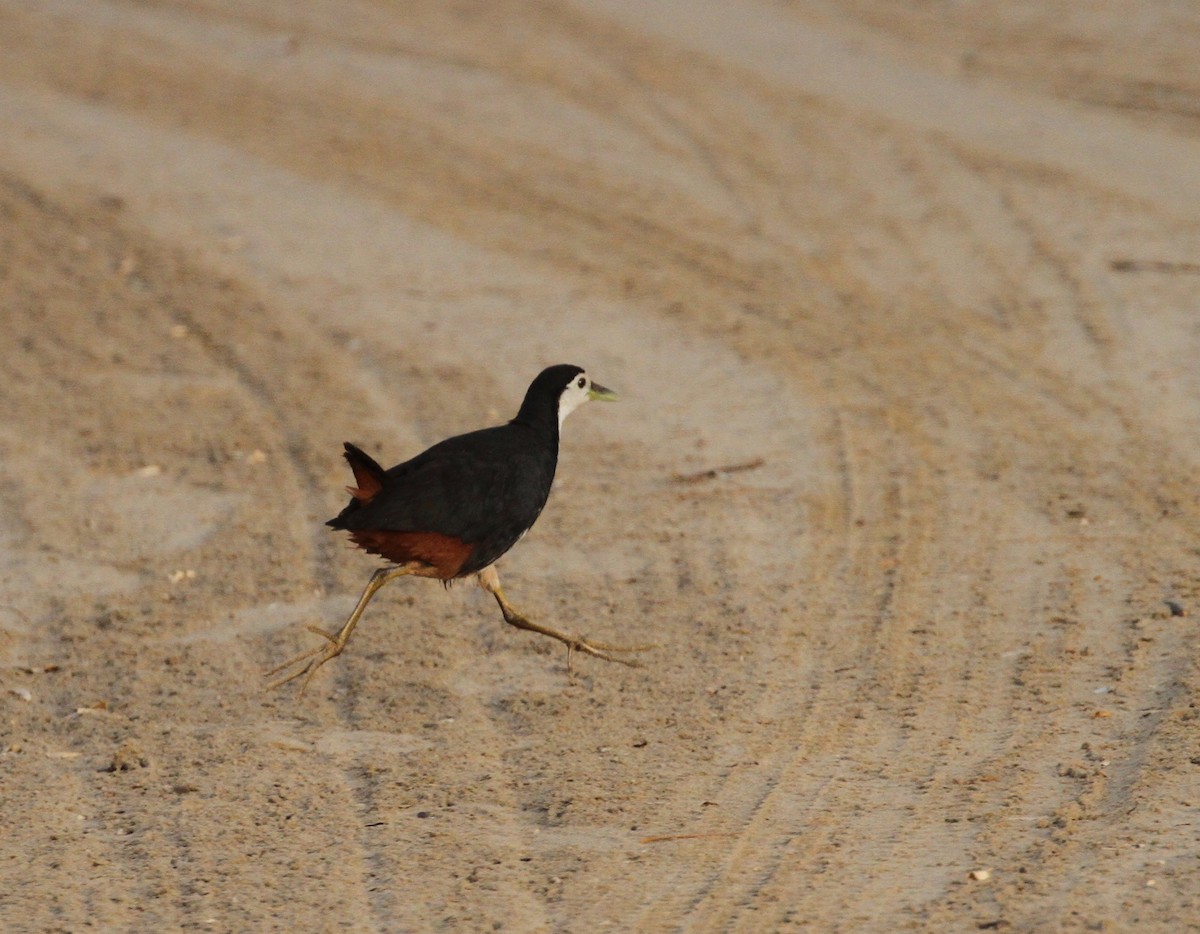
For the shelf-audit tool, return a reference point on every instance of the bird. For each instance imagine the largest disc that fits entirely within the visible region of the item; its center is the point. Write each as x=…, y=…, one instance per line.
x=453, y=510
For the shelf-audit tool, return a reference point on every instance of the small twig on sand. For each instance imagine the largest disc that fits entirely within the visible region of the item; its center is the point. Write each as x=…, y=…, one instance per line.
x=16, y=612
x=1153, y=265
x=713, y=472
x=664, y=838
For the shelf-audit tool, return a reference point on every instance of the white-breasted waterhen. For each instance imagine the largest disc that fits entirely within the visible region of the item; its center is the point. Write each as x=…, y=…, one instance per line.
x=455, y=509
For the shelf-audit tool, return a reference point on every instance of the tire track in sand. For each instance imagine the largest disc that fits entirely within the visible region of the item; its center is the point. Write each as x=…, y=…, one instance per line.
x=903, y=699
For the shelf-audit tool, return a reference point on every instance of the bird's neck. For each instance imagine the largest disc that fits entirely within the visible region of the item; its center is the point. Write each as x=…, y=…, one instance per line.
x=541, y=418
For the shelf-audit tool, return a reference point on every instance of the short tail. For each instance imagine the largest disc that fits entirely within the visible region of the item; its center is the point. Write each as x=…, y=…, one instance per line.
x=368, y=477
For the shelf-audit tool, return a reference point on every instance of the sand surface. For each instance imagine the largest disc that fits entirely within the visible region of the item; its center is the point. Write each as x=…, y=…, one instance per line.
x=927, y=271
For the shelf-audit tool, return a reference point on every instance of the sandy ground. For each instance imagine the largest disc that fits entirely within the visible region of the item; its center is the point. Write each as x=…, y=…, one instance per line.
x=931, y=267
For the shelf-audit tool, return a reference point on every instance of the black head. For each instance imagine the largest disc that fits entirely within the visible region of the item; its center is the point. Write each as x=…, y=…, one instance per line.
x=558, y=390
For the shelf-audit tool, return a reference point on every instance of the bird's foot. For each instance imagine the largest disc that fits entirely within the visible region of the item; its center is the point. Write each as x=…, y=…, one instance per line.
x=335, y=645
x=315, y=657
x=603, y=650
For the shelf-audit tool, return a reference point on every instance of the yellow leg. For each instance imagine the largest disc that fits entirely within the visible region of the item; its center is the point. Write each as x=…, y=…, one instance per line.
x=489, y=580
x=334, y=645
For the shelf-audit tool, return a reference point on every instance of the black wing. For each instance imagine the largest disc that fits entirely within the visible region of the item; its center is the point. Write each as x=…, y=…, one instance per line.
x=487, y=486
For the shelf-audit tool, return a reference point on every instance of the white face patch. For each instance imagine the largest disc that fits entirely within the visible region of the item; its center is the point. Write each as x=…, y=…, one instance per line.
x=573, y=396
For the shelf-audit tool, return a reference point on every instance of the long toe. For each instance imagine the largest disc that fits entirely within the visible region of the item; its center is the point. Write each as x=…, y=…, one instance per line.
x=610, y=653
x=302, y=657
x=605, y=651
x=305, y=670
x=323, y=633
x=608, y=647
x=315, y=657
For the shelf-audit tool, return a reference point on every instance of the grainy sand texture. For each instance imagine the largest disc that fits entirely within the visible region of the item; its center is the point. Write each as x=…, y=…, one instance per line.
x=926, y=273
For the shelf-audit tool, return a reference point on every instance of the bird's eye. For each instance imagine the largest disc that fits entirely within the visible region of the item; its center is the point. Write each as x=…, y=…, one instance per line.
x=582, y=382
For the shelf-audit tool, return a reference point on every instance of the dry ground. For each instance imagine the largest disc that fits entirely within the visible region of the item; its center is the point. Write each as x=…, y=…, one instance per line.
x=935, y=265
